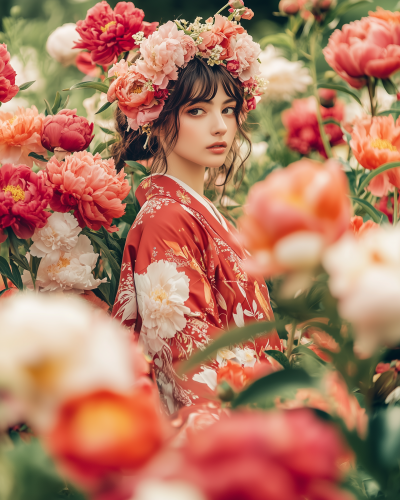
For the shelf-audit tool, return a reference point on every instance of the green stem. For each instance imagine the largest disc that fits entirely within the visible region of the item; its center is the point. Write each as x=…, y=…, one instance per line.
x=313, y=68
x=291, y=340
x=396, y=208
x=223, y=8
x=371, y=93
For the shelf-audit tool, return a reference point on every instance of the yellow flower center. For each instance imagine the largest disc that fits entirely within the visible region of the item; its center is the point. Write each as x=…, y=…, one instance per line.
x=62, y=262
x=159, y=294
x=12, y=120
x=136, y=89
x=383, y=144
x=16, y=192
x=105, y=28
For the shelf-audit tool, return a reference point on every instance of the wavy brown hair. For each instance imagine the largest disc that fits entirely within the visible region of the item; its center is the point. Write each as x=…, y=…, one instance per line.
x=197, y=82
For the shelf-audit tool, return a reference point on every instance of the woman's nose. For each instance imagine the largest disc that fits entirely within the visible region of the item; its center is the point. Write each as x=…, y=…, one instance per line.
x=218, y=125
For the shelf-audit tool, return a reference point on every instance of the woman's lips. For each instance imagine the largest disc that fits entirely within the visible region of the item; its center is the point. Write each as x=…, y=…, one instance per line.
x=217, y=148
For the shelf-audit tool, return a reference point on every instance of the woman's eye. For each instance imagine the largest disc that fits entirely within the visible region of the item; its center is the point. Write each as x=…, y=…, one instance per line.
x=196, y=112
x=228, y=111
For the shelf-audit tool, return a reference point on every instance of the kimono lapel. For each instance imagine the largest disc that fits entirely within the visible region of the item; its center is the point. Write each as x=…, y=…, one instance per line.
x=165, y=187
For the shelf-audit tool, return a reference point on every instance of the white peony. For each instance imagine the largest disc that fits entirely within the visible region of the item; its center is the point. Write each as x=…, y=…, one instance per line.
x=60, y=233
x=53, y=347
x=161, y=295
x=286, y=78
x=353, y=110
x=60, y=42
x=365, y=277
x=26, y=65
x=72, y=270
x=150, y=489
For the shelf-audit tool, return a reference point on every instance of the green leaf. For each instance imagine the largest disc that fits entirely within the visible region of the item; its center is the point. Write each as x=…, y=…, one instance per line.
x=374, y=173
x=26, y=85
x=113, y=263
x=5, y=268
x=342, y=8
x=339, y=88
x=57, y=102
x=136, y=168
x=113, y=288
x=329, y=121
x=395, y=111
x=15, y=255
x=103, y=108
x=48, y=110
x=281, y=39
x=37, y=157
x=301, y=349
x=280, y=357
x=107, y=131
x=285, y=383
x=89, y=85
x=231, y=337
x=389, y=86
x=103, y=292
x=103, y=145
x=374, y=213
x=16, y=276
x=130, y=214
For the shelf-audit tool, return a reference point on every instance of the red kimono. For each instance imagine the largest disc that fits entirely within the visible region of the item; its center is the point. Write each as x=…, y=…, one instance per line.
x=182, y=283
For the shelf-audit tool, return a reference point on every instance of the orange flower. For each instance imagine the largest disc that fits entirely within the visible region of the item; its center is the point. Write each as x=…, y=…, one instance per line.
x=20, y=134
x=102, y=433
x=359, y=226
x=293, y=214
x=386, y=15
x=238, y=376
x=376, y=141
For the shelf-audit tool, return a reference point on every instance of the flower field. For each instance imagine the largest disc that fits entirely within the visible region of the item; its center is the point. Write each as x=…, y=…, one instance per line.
x=317, y=208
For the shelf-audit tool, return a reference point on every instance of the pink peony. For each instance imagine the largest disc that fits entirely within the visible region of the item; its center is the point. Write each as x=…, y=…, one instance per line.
x=106, y=33
x=118, y=69
x=129, y=91
x=90, y=186
x=246, y=51
x=66, y=130
x=144, y=114
x=220, y=34
x=8, y=89
x=24, y=196
x=248, y=14
x=302, y=127
x=164, y=52
x=289, y=7
x=369, y=47
x=20, y=135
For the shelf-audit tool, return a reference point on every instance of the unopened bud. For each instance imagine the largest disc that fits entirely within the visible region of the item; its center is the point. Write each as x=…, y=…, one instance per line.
x=236, y=4
x=15, y=11
x=289, y=7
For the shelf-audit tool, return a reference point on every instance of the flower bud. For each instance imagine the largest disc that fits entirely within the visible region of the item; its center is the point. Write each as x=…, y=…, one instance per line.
x=236, y=4
x=289, y=7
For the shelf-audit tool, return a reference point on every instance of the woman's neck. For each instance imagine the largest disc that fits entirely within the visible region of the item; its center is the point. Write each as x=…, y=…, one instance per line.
x=190, y=173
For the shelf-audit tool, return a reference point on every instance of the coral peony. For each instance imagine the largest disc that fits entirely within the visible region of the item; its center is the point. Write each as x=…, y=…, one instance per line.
x=359, y=226
x=90, y=186
x=104, y=432
x=24, y=196
x=220, y=34
x=8, y=89
x=386, y=15
x=301, y=123
x=20, y=135
x=368, y=47
x=246, y=51
x=106, y=33
x=293, y=214
x=60, y=42
x=376, y=141
x=66, y=130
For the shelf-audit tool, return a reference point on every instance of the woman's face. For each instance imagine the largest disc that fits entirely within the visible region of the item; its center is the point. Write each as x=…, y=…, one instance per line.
x=207, y=131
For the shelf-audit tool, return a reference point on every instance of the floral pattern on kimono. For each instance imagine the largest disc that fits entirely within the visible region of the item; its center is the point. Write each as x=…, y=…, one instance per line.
x=182, y=284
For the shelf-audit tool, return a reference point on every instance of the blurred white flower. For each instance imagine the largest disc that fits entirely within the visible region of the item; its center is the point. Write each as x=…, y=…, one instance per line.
x=63, y=271
x=60, y=233
x=207, y=376
x=60, y=42
x=259, y=149
x=365, y=277
x=161, y=295
x=92, y=105
x=394, y=396
x=53, y=347
x=286, y=78
x=27, y=68
x=353, y=110
x=245, y=357
x=166, y=490
x=13, y=105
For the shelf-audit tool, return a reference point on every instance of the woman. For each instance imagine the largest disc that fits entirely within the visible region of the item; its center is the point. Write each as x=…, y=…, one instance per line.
x=182, y=277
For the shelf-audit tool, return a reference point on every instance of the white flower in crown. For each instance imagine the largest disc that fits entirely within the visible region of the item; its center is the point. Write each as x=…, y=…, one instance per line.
x=66, y=271
x=60, y=233
x=161, y=294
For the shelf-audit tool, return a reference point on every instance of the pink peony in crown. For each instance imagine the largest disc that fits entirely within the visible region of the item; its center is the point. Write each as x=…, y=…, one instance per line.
x=141, y=88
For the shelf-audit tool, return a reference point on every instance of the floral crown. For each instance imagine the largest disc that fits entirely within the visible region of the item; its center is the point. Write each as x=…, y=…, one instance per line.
x=141, y=87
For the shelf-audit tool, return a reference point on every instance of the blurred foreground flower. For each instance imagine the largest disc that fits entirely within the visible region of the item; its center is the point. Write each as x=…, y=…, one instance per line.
x=285, y=78
x=24, y=196
x=8, y=89
x=106, y=33
x=66, y=131
x=20, y=135
x=293, y=214
x=376, y=141
x=60, y=43
x=90, y=186
x=365, y=277
x=302, y=127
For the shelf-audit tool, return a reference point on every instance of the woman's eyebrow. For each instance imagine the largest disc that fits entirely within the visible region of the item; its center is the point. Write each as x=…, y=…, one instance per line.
x=231, y=99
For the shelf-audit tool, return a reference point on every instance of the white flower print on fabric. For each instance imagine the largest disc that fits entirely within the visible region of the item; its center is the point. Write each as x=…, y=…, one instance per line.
x=238, y=316
x=161, y=294
x=207, y=376
x=245, y=357
x=60, y=233
x=126, y=300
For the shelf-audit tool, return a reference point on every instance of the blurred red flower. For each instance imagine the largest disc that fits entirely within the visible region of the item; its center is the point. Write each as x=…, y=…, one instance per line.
x=359, y=226
x=24, y=196
x=106, y=33
x=90, y=186
x=302, y=127
x=8, y=89
x=66, y=130
x=368, y=47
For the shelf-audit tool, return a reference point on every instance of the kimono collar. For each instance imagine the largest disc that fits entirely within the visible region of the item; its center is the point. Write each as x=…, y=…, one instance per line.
x=166, y=187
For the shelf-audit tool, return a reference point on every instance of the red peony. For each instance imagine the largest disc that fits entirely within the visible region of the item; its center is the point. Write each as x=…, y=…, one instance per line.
x=368, y=47
x=8, y=89
x=302, y=127
x=90, y=186
x=84, y=63
x=24, y=196
x=106, y=33
x=66, y=130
